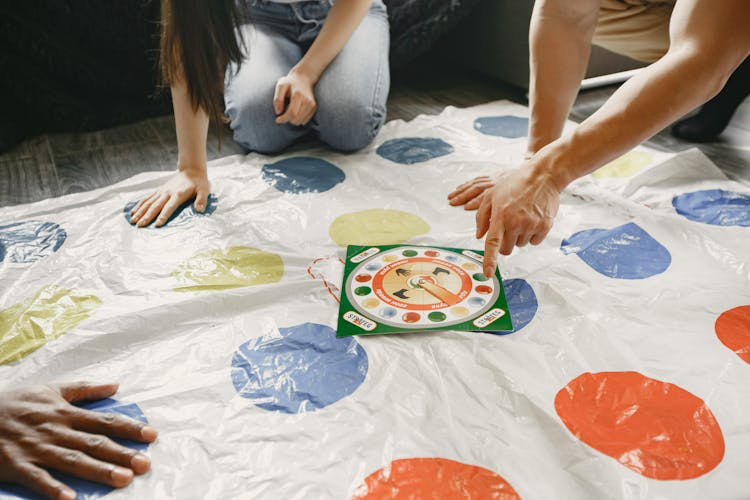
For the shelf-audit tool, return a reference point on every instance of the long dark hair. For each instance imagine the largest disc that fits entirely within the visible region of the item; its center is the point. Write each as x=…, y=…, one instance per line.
x=199, y=38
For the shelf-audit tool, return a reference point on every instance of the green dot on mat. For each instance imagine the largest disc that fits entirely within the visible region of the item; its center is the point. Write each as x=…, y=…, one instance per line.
x=436, y=316
x=52, y=312
x=226, y=268
x=409, y=253
x=376, y=227
x=480, y=277
x=362, y=290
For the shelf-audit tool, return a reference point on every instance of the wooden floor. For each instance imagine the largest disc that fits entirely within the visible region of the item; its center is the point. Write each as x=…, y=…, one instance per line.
x=57, y=164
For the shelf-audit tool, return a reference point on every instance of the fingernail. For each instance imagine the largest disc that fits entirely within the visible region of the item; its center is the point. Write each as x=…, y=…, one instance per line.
x=122, y=475
x=67, y=494
x=140, y=462
x=148, y=432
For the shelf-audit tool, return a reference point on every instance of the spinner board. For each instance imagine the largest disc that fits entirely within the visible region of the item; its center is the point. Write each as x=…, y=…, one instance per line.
x=397, y=289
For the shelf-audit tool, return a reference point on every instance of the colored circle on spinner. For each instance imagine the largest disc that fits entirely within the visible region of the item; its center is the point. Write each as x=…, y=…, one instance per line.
x=389, y=258
x=411, y=317
x=459, y=311
x=716, y=207
x=182, y=216
x=388, y=312
x=363, y=290
x=476, y=301
x=470, y=266
x=302, y=174
x=371, y=303
x=484, y=289
x=372, y=267
x=411, y=150
x=450, y=257
x=87, y=490
x=431, y=253
x=26, y=242
x=480, y=277
x=409, y=253
x=436, y=316
x=362, y=278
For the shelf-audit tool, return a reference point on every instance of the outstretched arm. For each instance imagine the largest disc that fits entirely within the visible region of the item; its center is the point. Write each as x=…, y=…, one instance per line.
x=709, y=40
x=297, y=87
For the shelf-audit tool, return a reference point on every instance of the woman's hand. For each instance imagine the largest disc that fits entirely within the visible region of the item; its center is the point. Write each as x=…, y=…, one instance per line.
x=161, y=204
x=469, y=194
x=40, y=429
x=519, y=209
x=297, y=89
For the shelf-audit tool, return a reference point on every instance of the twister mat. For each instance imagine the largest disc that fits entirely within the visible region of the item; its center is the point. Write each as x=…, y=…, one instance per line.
x=625, y=376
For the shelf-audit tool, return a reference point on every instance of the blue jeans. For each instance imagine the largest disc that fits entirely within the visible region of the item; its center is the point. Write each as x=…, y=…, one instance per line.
x=351, y=94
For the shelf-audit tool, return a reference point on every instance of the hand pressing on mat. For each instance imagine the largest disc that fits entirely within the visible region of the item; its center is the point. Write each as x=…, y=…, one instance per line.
x=40, y=429
x=186, y=184
x=469, y=194
x=294, y=99
x=519, y=209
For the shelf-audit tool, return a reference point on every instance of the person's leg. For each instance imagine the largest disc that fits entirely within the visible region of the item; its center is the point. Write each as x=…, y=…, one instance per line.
x=714, y=116
x=352, y=92
x=248, y=93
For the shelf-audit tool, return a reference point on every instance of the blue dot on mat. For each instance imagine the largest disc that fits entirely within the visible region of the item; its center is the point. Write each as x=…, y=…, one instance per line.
x=26, y=242
x=304, y=368
x=714, y=206
x=522, y=303
x=184, y=214
x=86, y=489
x=302, y=174
x=411, y=150
x=624, y=252
x=511, y=127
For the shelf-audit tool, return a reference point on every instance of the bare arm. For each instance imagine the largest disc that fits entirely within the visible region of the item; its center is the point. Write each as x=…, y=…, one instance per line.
x=191, y=179
x=560, y=42
x=342, y=20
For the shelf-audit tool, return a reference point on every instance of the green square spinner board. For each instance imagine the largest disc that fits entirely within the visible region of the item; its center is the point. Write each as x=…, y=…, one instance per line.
x=408, y=288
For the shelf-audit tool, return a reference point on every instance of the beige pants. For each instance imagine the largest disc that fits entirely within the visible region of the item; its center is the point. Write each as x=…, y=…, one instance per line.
x=634, y=28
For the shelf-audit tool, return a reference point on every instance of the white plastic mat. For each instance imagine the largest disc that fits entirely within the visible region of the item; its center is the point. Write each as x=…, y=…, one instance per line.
x=621, y=380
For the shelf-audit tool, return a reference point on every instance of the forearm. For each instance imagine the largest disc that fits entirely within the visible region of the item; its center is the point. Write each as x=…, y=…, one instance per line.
x=343, y=19
x=192, y=129
x=560, y=46
x=644, y=105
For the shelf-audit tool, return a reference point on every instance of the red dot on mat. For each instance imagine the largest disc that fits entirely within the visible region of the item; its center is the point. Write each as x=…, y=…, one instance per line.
x=363, y=278
x=483, y=289
x=431, y=253
x=411, y=317
x=415, y=478
x=733, y=329
x=655, y=428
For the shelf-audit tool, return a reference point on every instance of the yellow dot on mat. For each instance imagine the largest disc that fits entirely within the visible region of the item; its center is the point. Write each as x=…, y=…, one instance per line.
x=371, y=303
x=460, y=311
x=376, y=227
x=628, y=164
x=470, y=266
x=232, y=267
x=52, y=312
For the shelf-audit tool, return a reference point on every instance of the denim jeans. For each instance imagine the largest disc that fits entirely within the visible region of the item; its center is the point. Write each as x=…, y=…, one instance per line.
x=351, y=94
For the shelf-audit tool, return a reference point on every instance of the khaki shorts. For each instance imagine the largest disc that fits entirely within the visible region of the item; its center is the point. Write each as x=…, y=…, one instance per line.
x=635, y=28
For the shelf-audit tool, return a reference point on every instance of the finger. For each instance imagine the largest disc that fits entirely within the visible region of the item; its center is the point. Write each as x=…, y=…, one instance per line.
x=144, y=208
x=286, y=117
x=524, y=238
x=141, y=207
x=279, y=97
x=491, y=246
x=139, y=203
x=470, y=193
x=201, y=200
x=78, y=464
x=540, y=236
x=84, y=391
x=483, y=219
x=40, y=481
x=112, y=425
x=153, y=210
x=104, y=449
x=296, y=107
x=310, y=113
x=468, y=184
x=509, y=242
x=475, y=203
x=170, y=206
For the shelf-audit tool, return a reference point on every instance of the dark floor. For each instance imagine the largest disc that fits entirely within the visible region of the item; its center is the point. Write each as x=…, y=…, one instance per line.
x=57, y=164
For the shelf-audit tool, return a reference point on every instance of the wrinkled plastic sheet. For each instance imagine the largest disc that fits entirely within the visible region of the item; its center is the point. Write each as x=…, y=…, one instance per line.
x=627, y=375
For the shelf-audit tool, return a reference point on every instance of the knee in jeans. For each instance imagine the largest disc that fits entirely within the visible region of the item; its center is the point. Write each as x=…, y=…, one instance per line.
x=357, y=126
x=255, y=128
